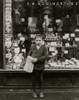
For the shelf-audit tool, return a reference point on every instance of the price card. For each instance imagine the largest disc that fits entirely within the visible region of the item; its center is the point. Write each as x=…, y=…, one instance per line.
x=58, y=20
x=67, y=45
x=67, y=35
x=22, y=20
x=8, y=1
x=64, y=37
x=72, y=35
x=53, y=43
x=51, y=48
x=23, y=50
x=65, y=51
x=76, y=39
x=32, y=35
x=17, y=50
x=45, y=16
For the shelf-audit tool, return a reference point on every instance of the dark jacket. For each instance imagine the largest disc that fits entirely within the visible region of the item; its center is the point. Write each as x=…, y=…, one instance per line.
x=41, y=54
x=27, y=45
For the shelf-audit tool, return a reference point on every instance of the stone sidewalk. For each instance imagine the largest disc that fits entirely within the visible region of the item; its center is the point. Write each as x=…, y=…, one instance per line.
x=50, y=94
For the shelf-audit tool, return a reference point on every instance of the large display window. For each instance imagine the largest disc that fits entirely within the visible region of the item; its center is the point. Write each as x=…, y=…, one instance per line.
x=57, y=21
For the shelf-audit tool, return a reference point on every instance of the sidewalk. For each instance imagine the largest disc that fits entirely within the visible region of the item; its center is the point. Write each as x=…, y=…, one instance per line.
x=23, y=94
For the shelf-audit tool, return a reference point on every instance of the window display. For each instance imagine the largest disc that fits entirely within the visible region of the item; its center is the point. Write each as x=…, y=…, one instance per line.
x=56, y=21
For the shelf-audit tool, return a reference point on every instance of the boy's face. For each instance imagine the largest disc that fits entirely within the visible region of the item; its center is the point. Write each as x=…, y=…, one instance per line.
x=38, y=41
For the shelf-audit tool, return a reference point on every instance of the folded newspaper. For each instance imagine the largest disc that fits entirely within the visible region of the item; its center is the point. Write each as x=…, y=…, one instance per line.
x=28, y=67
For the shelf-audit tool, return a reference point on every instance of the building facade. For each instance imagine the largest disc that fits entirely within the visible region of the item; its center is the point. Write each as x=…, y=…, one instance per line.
x=58, y=22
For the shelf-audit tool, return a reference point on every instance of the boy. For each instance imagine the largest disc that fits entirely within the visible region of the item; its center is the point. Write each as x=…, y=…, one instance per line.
x=39, y=53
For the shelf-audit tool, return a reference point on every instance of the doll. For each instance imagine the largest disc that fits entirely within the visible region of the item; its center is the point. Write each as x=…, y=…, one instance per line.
x=18, y=57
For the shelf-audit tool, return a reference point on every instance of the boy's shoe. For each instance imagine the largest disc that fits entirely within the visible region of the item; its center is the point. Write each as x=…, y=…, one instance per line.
x=35, y=95
x=41, y=95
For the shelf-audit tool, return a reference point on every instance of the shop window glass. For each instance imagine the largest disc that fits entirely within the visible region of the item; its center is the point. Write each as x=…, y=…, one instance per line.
x=56, y=20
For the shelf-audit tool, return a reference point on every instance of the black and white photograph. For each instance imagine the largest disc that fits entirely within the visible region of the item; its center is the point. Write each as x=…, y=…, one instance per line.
x=39, y=49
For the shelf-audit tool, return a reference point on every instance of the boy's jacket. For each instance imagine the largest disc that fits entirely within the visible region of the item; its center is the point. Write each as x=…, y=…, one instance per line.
x=41, y=54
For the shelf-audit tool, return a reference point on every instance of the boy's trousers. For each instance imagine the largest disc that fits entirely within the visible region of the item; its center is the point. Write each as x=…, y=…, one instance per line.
x=37, y=77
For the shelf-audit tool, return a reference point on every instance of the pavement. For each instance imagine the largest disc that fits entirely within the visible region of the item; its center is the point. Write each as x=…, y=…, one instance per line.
x=50, y=94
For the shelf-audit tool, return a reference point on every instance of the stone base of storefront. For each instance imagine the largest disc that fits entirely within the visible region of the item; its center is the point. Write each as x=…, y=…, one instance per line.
x=52, y=79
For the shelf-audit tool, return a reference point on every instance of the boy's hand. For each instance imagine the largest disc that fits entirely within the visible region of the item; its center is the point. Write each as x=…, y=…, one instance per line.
x=34, y=60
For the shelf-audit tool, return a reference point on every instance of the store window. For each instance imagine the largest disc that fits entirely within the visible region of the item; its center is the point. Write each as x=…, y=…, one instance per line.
x=57, y=21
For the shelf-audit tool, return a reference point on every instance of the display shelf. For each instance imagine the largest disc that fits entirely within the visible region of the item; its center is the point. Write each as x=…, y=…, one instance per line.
x=66, y=47
x=46, y=70
x=51, y=40
x=62, y=70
